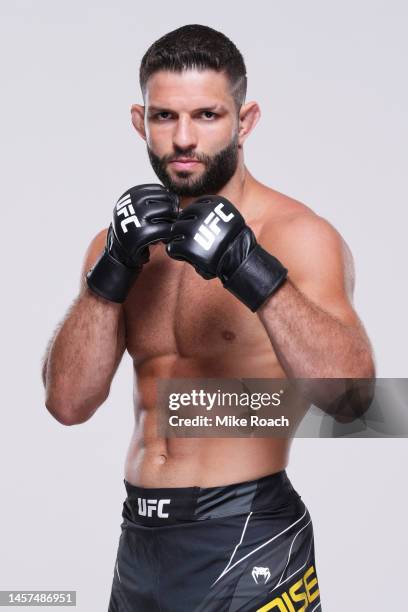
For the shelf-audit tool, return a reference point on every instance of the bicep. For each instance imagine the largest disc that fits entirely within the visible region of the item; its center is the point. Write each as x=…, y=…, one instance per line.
x=321, y=267
x=327, y=279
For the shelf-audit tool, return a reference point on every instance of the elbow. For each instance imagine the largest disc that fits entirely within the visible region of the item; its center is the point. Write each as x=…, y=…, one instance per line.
x=69, y=413
x=365, y=368
x=62, y=412
x=369, y=371
x=65, y=417
x=357, y=397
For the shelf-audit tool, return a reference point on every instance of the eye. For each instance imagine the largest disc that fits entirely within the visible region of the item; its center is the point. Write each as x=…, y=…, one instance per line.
x=162, y=116
x=208, y=115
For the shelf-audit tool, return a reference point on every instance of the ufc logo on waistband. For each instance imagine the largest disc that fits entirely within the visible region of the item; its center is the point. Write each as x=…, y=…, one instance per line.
x=147, y=507
x=125, y=208
x=209, y=229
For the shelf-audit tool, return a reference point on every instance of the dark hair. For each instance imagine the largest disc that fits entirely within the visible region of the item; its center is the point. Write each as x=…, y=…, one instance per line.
x=196, y=47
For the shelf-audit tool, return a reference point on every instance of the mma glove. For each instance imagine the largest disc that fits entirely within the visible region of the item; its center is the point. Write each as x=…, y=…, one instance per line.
x=142, y=216
x=211, y=234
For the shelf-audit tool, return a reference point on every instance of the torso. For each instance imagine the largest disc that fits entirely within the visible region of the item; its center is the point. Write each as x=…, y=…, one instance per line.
x=179, y=325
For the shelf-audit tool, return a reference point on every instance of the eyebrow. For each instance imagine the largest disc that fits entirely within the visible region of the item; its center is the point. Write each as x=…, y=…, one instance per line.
x=210, y=107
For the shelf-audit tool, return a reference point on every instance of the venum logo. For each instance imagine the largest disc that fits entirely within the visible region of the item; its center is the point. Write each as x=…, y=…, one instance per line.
x=148, y=507
x=305, y=591
x=208, y=230
x=261, y=575
x=124, y=208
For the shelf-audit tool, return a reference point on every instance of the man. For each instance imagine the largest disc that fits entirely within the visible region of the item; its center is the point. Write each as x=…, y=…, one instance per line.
x=212, y=275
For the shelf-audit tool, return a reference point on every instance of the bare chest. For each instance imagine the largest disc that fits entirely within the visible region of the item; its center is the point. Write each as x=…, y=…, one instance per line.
x=172, y=310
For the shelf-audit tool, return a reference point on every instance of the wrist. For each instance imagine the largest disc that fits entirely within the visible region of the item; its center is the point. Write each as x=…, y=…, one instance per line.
x=111, y=279
x=97, y=301
x=250, y=272
x=257, y=278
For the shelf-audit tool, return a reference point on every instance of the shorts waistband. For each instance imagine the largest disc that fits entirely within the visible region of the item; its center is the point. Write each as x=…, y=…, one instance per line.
x=163, y=506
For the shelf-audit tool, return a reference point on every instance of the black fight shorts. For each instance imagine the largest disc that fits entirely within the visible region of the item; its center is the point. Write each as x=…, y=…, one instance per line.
x=244, y=547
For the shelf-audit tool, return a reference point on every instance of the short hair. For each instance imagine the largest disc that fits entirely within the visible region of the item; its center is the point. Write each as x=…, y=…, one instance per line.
x=196, y=47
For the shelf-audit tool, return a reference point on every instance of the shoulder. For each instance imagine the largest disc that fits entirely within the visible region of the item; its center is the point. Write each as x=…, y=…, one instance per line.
x=304, y=227
x=291, y=218
x=305, y=240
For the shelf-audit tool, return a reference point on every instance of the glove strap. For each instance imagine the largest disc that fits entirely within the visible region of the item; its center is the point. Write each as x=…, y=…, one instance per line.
x=110, y=279
x=259, y=275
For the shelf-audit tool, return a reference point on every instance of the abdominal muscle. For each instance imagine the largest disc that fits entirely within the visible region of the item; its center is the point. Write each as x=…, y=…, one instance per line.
x=156, y=462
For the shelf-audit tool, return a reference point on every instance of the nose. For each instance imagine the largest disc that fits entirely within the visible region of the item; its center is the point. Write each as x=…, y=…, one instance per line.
x=184, y=136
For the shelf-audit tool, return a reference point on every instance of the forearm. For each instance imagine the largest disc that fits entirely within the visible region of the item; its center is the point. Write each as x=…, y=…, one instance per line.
x=311, y=343
x=86, y=350
x=82, y=358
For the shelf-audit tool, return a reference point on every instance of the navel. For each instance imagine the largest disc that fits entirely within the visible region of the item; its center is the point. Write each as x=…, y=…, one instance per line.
x=228, y=335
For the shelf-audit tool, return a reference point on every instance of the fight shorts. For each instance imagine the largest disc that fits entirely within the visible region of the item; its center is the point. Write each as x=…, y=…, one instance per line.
x=243, y=547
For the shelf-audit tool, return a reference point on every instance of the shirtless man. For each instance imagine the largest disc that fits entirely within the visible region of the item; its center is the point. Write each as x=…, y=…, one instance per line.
x=209, y=523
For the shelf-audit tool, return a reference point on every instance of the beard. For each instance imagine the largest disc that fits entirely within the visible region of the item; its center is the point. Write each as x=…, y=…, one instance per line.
x=218, y=169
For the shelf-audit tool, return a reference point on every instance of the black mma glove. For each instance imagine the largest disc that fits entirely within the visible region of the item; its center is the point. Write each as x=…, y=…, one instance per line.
x=211, y=234
x=142, y=215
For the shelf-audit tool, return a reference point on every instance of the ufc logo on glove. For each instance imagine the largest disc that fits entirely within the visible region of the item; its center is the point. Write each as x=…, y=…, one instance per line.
x=124, y=207
x=209, y=229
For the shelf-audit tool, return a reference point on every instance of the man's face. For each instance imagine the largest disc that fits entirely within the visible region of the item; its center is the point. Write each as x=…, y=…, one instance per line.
x=191, y=124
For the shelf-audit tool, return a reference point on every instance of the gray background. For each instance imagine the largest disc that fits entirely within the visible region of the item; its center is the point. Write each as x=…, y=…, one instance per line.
x=331, y=81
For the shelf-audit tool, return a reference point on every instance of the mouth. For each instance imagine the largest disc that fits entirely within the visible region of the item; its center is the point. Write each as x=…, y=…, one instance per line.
x=184, y=163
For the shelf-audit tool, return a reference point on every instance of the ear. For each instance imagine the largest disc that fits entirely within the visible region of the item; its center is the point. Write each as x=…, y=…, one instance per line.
x=137, y=112
x=249, y=116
